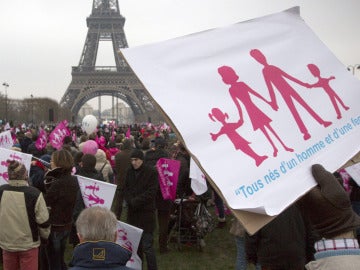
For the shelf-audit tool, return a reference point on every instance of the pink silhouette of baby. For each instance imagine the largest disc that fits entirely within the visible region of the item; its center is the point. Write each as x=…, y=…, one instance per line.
x=229, y=129
x=325, y=84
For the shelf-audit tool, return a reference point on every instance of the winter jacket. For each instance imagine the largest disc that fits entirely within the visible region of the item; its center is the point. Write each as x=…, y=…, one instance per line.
x=61, y=192
x=140, y=191
x=100, y=255
x=37, y=173
x=24, y=217
x=103, y=166
x=285, y=242
x=336, y=260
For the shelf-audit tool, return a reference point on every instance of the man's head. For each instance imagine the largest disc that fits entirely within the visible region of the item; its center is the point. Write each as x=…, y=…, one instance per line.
x=95, y=224
x=136, y=158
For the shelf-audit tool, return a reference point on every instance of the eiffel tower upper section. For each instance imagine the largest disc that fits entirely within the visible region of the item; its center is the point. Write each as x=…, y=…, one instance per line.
x=88, y=80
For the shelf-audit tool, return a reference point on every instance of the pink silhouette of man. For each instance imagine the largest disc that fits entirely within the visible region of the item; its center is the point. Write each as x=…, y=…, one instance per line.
x=229, y=129
x=325, y=84
x=241, y=92
x=274, y=76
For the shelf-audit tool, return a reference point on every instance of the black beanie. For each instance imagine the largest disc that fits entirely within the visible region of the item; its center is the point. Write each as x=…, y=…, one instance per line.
x=137, y=153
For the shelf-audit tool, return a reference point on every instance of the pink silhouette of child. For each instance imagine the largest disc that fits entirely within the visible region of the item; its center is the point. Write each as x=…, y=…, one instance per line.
x=229, y=129
x=325, y=84
x=240, y=92
x=276, y=77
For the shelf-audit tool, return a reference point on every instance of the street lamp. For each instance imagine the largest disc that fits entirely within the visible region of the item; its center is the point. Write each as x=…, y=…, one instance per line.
x=32, y=109
x=6, y=85
x=353, y=68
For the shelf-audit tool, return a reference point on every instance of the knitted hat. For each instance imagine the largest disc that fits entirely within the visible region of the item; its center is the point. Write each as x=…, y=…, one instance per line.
x=136, y=153
x=16, y=170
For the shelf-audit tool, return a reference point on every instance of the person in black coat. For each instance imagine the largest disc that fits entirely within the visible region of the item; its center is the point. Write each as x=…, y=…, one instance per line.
x=286, y=243
x=163, y=207
x=61, y=191
x=87, y=169
x=140, y=190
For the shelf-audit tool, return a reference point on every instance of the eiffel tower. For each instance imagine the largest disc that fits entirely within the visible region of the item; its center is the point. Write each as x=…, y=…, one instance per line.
x=88, y=80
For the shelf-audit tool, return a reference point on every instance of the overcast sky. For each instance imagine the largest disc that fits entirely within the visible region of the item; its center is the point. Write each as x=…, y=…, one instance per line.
x=42, y=39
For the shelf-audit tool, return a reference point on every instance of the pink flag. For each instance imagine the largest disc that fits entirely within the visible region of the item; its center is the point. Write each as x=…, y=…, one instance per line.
x=128, y=133
x=41, y=140
x=57, y=136
x=168, y=170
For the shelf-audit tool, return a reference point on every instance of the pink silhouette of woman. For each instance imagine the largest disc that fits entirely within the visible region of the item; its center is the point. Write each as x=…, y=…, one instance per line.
x=325, y=84
x=274, y=76
x=229, y=129
x=240, y=92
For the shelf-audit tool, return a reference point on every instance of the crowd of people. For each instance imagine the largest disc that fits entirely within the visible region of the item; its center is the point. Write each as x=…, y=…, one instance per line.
x=42, y=211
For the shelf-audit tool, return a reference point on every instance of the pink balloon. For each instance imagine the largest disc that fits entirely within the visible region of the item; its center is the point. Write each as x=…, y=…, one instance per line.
x=90, y=147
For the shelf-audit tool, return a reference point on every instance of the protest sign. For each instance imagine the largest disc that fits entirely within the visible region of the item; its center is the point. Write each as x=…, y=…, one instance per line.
x=198, y=179
x=354, y=172
x=7, y=154
x=266, y=98
x=95, y=192
x=129, y=237
x=168, y=171
x=6, y=141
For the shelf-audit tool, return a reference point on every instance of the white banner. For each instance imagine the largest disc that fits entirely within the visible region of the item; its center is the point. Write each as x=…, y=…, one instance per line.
x=129, y=236
x=354, y=172
x=265, y=99
x=96, y=193
x=198, y=179
x=6, y=140
x=6, y=154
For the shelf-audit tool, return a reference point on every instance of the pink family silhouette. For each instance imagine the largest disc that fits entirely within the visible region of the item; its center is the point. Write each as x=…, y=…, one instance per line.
x=325, y=84
x=274, y=77
x=229, y=129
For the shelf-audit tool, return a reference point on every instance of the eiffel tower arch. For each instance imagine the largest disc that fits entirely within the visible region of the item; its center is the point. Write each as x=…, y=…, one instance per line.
x=88, y=80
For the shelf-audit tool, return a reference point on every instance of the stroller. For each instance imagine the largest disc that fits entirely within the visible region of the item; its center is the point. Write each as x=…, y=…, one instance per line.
x=191, y=222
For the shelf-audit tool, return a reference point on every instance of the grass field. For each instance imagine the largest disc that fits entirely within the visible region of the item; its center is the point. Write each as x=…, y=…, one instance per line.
x=219, y=253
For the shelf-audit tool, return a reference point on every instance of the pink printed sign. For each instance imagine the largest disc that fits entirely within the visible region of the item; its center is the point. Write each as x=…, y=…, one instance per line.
x=266, y=107
x=129, y=237
x=96, y=193
x=57, y=136
x=6, y=140
x=42, y=140
x=6, y=154
x=168, y=170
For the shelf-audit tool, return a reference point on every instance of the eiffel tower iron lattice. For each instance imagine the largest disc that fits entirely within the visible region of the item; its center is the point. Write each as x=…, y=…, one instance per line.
x=88, y=80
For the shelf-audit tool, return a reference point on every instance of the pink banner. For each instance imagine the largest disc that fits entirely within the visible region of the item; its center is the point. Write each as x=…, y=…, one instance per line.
x=57, y=136
x=42, y=140
x=168, y=170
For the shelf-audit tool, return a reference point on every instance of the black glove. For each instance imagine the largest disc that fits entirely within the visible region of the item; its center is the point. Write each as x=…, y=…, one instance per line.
x=328, y=205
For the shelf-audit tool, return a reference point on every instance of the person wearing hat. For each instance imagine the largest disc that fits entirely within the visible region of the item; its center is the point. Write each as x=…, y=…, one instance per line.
x=24, y=220
x=140, y=191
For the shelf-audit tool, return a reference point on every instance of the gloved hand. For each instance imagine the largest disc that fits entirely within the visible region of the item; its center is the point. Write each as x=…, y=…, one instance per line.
x=328, y=205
